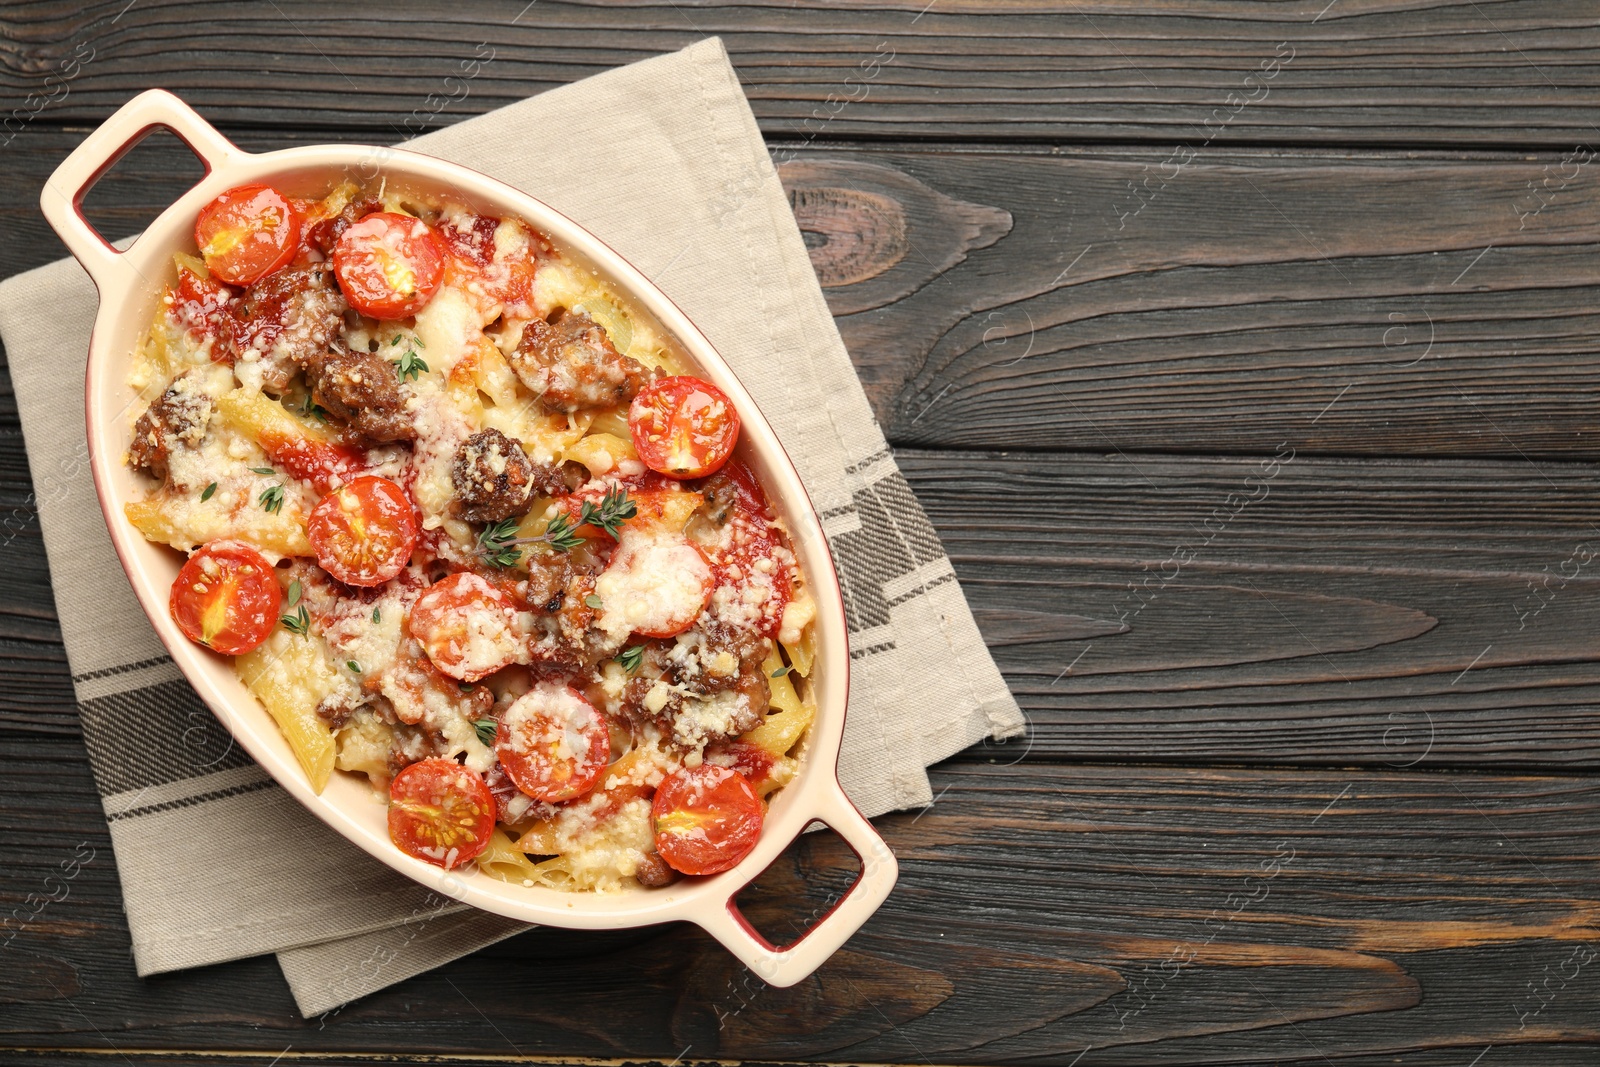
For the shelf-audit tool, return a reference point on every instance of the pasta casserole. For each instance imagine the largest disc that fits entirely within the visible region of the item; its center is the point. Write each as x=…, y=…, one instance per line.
x=469, y=526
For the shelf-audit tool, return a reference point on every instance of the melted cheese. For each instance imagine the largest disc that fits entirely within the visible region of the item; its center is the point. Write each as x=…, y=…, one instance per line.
x=551, y=718
x=490, y=635
x=449, y=329
x=654, y=584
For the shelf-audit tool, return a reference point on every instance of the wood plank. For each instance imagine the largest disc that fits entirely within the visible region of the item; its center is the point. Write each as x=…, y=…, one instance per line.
x=1297, y=610
x=1355, y=305
x=1161, y=916
x=1520, y=73
x=1344, y=304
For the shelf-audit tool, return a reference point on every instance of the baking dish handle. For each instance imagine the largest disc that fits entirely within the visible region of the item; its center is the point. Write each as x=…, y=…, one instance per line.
x=62, y=198
x=787, y=965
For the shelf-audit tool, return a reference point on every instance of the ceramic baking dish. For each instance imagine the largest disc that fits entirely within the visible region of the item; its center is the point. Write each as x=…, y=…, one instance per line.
x=130, y=283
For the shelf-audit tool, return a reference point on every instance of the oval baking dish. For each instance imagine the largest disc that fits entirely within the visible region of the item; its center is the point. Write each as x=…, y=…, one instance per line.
x=129, y=284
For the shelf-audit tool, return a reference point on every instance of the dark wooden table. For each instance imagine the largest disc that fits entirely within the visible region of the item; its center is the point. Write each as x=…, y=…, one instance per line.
x=1243, y=353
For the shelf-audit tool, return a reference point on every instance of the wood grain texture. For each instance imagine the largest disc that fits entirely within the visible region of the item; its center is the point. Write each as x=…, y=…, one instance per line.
x=1340, y=304
x=1161, y=916
x=1293, y=609
x=1408, y=72
x=1345, y=305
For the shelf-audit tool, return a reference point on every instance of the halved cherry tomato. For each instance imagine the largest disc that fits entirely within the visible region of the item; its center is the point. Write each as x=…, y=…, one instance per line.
x=707, y=819
x=553, y=743
x=441, y=812
x=748, y=557
x=752, y=761
x=683, y=426
x=658, y=585
x=470, y=238
x=363, y=533
x=226, y=597
x=492, y=268
x=318, y=462
x=735, y=485
x=745, y=537
x=389, y=265
x=201, y=308
x=247, y=233
x=467, y=627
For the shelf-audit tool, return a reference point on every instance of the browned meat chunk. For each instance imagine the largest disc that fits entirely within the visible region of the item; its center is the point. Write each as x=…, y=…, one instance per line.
x=679, y=676
x=654, y=872
x=494, y=478
x=570, y=364
x=177, y=419
x=286, y=320
x=335, y=711
x=362, y=389
x=565, y=640
x=325, y=233
x=548, y=574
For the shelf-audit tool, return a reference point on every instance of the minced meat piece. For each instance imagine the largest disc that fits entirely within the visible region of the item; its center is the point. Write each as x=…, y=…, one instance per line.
x=363, y=390
x=548, y=574
x=287, y=320
x=653, y=872
x=494, y=479
x=178, y=418
x=565, y=639
x=570, y=364
x=706, y=684
x=324, y=234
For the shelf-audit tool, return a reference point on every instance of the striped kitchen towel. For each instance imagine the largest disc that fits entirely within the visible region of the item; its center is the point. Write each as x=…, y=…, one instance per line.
x=216, y=862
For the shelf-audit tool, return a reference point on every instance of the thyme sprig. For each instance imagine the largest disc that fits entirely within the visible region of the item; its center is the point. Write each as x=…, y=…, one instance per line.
x=298, y=622
x=616, y=508
x=409, y=365
x=499, y=546
x=486, y=730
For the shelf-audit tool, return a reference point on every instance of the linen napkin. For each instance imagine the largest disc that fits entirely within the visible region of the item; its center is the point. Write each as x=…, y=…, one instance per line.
x=216, y=861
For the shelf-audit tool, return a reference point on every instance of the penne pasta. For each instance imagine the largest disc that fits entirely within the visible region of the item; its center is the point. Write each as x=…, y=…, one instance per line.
x=291, y=676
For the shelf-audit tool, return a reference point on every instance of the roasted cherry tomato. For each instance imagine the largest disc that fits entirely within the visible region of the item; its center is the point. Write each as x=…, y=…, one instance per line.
x=490, y=266
x=658, y=584
x=683, y=426
x=752, y=761
x=470, y=238
x=553, y=743
x=748, y=558
x=743, y=550
x=226, y=598
x=734, y=486
x=363, y=533
x=467, y=627
x=389, y=265
x=247, y=233
x=201, y=307
x=441, y=812
x=707, y=819
x=318, y=462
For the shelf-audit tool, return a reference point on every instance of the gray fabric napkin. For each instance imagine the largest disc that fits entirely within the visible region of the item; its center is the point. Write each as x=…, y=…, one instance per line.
x=217, y=862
